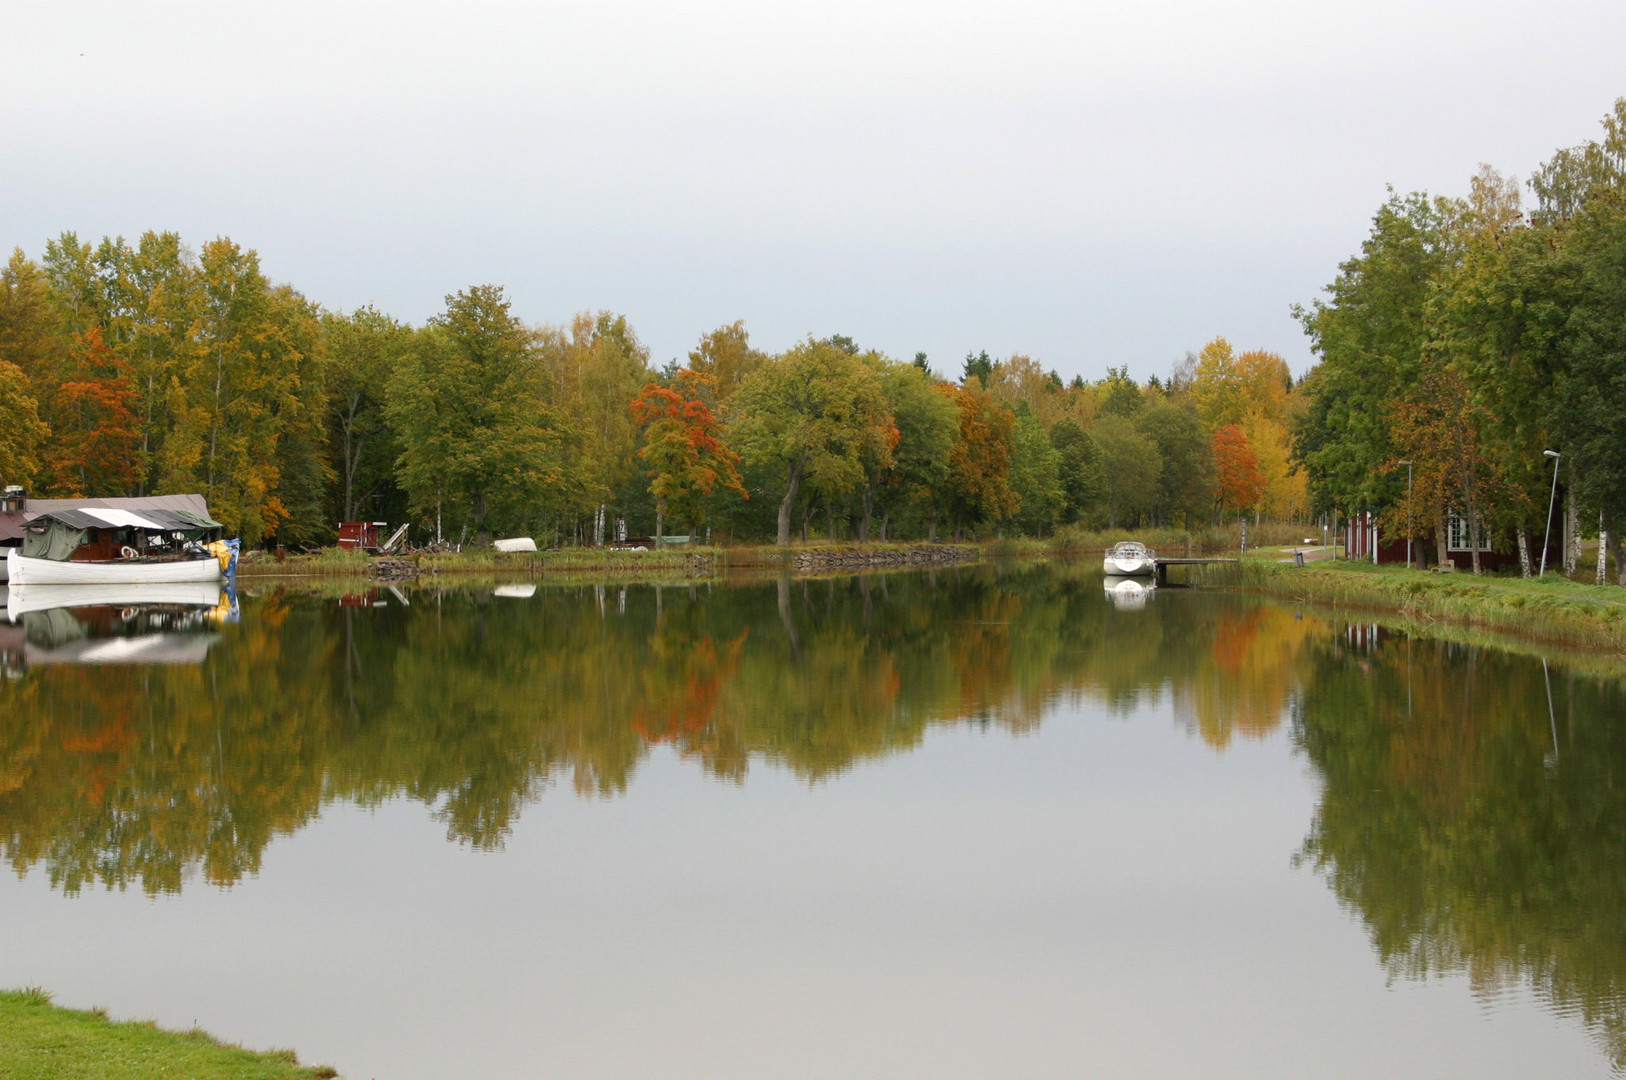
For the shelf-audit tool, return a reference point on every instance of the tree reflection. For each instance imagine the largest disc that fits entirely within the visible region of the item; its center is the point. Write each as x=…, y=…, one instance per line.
x=1464, y=836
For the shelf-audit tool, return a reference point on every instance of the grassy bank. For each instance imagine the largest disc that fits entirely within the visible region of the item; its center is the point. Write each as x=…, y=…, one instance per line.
x=40, y=1041
x=1552, y=609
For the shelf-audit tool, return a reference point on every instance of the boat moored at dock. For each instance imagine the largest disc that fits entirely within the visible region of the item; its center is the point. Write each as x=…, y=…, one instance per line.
x=1130, y=559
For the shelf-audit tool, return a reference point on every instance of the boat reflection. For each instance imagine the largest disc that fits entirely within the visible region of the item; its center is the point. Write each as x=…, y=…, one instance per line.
x=1129, y=593
x=171, y=623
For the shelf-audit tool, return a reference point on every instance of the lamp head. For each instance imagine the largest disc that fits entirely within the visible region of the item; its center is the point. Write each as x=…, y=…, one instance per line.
x=1552, y=453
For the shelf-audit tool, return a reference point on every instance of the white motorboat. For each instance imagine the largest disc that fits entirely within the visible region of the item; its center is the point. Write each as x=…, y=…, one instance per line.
x=101, y=546
x=1130, y=559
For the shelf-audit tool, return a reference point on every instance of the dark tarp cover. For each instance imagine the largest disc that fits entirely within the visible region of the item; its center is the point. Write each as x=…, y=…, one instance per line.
x=57, y=540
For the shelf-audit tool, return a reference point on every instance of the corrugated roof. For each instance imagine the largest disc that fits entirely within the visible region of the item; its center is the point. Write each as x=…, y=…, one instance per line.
x=85, y=517
x=11, y=524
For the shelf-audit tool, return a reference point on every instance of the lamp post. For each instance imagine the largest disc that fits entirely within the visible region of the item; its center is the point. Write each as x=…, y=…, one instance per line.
x=1552, y=501
x=1407, y=464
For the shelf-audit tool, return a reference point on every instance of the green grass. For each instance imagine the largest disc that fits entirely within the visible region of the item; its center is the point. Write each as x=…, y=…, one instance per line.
x=1552, y=609
x=40, y=1041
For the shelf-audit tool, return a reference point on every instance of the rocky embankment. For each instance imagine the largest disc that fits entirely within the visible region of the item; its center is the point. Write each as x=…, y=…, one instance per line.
x=824, y=561
x=386, y=569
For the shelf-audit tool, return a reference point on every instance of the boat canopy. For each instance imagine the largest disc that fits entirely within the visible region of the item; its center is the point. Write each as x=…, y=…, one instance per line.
x=55, y=535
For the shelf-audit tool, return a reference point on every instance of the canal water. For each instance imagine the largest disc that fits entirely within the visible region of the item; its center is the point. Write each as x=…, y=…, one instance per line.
x=989, y=822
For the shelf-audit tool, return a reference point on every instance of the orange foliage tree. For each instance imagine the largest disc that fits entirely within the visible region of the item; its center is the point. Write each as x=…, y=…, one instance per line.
x=686, y=458
x=94, y=452
x=980, y=461
x=1238, y=481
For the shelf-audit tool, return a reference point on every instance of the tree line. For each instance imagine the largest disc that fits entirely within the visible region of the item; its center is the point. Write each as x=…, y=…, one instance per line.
x=1466, y=338
x=147, y=368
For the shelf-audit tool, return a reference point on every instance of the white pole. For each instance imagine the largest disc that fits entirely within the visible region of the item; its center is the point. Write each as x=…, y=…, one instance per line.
x=1552, y=501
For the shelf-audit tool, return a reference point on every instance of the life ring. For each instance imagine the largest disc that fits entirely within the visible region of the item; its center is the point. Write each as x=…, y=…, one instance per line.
x=128, y=552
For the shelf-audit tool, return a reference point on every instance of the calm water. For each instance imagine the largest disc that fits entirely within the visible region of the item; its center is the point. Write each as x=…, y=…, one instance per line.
x=984, y=823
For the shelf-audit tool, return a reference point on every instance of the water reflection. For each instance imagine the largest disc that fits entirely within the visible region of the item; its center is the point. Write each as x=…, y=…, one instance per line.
x=1469, y=818
x=1129, y=593
x=111, y=624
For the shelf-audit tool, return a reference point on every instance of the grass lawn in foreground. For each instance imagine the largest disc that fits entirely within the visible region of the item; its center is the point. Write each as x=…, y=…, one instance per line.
x=39, y=1041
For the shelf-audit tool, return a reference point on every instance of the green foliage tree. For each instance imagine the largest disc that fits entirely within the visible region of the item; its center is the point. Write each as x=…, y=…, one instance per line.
x=479, y=436
x=1131, y=469
x=1371, y=334
x=1078, y=466
x=812, y=412
x=1186, y=479
x=1035, y=477
x=363, y=350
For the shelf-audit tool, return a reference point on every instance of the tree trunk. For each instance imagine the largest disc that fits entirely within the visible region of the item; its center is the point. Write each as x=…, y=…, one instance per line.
x=1603, y=550
x=869, y=510
x=1441, y=532
x=1473, y=534
x=1524, y=556
x=886, y=517
x=1620, y=565
x=1572, y=533
x=660, y=523
x=933, y=536
x=793, y=484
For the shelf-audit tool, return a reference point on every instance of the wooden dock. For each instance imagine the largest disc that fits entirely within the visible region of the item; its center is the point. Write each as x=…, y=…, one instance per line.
x=1164, y=564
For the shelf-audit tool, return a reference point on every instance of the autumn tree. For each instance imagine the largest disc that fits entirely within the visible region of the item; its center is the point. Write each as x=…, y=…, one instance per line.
x=21, y=430
x=726, y=357
x=94, y=448
x=978, y=486
x=1238, y=483
x=683, y=448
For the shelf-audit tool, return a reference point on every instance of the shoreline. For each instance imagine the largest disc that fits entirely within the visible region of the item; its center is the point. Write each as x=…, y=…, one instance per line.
x=1556, y=611
x=1553, y=612
x=44, y=1041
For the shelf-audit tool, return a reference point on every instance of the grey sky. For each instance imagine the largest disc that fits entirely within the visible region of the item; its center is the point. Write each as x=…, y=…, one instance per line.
x=1090, y=184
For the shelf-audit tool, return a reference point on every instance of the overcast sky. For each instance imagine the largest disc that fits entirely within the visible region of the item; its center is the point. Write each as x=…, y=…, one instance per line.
x=1089, y=184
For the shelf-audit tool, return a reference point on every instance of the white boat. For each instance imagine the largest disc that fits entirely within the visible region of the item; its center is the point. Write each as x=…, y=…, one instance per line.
x=1130, y=559
x=107, y=546
x=516, y=543
x=23, y=570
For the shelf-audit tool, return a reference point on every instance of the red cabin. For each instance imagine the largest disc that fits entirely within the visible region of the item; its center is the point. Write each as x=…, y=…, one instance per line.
x=366, y=535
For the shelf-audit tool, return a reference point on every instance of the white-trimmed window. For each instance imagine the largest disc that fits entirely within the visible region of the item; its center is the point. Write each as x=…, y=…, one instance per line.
x=1456, y=535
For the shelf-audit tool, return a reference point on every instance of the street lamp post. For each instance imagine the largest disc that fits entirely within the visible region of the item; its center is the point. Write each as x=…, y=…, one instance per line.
x=1552, y=501
x=1407, y=464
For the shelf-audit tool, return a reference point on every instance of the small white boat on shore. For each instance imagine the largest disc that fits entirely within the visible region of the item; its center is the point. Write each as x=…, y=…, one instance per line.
x=1130, y=559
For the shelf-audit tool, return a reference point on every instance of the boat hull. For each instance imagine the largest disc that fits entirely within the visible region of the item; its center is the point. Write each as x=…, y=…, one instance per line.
x=25, y=571
x=1131, y=567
